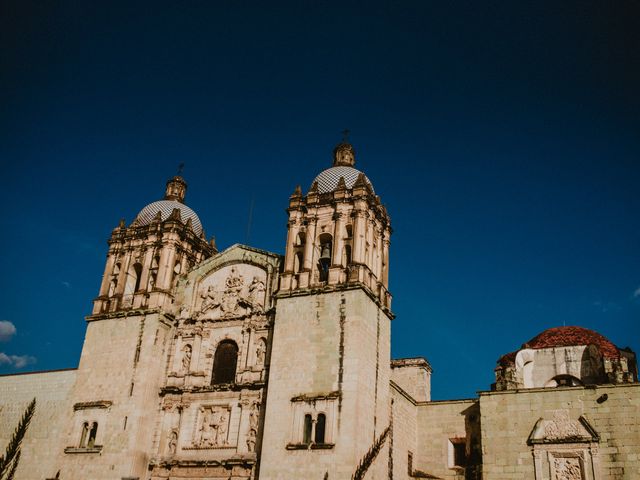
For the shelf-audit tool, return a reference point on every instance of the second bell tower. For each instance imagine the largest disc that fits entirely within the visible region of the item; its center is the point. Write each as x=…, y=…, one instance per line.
x=328, y=392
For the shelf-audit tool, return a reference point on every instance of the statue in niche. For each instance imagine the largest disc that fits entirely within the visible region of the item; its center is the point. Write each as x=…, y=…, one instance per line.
x=261, y=351
x=256, y=293
x=206, y=429
x=223, y=420
x=253, y=428
x=186, y=358
x=173, y=442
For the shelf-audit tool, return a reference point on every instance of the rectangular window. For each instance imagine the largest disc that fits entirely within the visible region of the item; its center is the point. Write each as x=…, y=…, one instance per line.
x=457, y=452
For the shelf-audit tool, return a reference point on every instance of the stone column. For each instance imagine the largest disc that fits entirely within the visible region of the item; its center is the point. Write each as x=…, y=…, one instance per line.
x=385, y=254
x=359, y=230
x=165, y=270
x=310, y=241
x=106, y=277
x=124, y=271
x=292, y=234
x=338, y=240
x=369, y=259
x=148, y=259
x=378, y=250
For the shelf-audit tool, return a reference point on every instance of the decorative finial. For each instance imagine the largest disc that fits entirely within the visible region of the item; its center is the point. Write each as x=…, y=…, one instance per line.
x=180, y=168
x=345, y=135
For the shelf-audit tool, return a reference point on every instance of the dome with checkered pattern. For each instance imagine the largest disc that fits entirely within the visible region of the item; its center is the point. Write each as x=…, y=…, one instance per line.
x=173, y=198
x=328, y=179
x=165, y=207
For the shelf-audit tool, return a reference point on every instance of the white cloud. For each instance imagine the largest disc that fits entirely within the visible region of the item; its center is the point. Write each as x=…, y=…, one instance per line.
x=636, y=294
x=7, y=330
x=16, y=361
x=66, y=284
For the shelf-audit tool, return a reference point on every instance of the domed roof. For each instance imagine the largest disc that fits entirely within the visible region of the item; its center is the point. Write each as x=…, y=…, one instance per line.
x=328, y=179
x=165, y=207
x=573, y=336
x=566, y=337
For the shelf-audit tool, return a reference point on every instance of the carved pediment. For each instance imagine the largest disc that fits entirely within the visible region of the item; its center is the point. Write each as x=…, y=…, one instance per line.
x=558, y=427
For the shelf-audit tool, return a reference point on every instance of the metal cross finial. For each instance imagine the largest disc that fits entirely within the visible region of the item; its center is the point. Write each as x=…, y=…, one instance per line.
x=345, y=135
x=180, y=168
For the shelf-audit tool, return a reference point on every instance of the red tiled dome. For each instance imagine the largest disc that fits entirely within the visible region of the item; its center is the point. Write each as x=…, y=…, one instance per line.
x=566, y=337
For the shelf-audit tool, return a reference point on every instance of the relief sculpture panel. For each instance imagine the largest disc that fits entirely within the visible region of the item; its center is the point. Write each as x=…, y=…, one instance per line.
x=232, y=292
x=567, y=468
x=213, y=427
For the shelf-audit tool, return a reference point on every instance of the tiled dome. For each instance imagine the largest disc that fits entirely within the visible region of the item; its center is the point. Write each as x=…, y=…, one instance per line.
x=565, y=337
x=328, y=179
x=165, y=207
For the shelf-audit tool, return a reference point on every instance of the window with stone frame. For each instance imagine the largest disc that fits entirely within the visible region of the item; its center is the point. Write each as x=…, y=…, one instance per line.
x=457, y=452
x=312, y=424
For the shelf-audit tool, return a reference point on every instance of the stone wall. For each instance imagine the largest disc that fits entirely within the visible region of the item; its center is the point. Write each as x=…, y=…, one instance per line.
x=121, y=368
x=440, y=425
x=405, y=427
x=413, y=375
x=41, y=444
x=330, y=355
x=509, y=418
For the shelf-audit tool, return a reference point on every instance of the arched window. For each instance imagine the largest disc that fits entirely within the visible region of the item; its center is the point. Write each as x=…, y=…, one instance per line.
x=112, y=287
x=347, y=254
x=324, y=262
x=321, y=422
x=564, y=381
x=83, y=436
x=92, y=435
x=308, y=423
x=137, y=268
x=527, y=375
x=297, y=262
x=224, y=363
x=132, y=283
x=348, y=232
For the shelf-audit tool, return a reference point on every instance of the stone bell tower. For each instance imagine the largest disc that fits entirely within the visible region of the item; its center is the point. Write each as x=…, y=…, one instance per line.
x=328, y=392
x=115, y=398
x=165, y=240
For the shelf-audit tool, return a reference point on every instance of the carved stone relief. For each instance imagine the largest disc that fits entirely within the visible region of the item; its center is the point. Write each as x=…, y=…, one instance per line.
x=173, y=442
x=567, y=468
x=261, y=351
x=236, y=298
x=254, y=417
x=561, y=427
x=212, y=427
x=186, y=358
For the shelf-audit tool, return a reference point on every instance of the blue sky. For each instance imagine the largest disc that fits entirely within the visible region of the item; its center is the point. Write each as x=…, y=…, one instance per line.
x=502, y=136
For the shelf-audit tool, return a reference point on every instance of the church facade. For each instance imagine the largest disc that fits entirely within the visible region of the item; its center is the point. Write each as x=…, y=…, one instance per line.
x=245, y=364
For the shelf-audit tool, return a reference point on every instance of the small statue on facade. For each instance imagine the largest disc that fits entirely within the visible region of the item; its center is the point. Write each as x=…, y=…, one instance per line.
x=261, y=350
x=186, y=358
x=173, y=442
x=253, y=428
x=256, y=293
